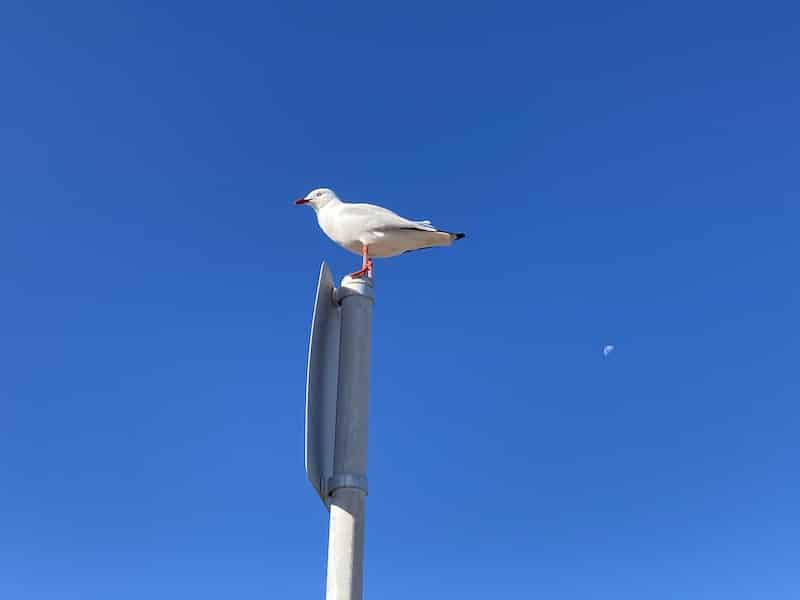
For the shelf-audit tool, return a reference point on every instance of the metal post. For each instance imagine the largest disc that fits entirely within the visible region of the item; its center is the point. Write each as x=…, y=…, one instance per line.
x=348, y=485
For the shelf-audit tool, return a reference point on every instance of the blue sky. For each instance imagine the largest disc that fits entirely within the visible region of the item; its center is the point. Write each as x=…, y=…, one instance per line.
x=627, y=174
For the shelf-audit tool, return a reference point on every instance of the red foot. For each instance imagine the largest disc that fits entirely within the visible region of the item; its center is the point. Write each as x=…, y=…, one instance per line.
x=365, y=270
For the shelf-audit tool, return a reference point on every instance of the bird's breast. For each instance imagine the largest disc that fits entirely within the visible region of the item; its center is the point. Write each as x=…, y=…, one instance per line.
x=347, y=237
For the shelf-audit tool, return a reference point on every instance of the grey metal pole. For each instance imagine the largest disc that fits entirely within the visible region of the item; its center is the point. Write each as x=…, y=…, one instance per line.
x=348, y=485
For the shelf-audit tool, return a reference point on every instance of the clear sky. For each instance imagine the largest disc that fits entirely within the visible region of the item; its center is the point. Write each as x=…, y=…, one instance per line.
x=627, y=174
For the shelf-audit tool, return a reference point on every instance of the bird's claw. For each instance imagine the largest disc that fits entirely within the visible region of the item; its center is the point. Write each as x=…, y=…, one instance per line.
x=365, y=270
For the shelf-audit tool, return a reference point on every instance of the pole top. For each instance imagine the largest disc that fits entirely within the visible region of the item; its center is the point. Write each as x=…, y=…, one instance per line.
x=355, y=286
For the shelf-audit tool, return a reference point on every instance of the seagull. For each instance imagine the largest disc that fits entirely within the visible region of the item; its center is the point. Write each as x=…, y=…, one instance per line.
x=372, y=231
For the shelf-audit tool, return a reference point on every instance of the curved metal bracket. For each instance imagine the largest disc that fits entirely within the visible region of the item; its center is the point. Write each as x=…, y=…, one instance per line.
x=321, y=385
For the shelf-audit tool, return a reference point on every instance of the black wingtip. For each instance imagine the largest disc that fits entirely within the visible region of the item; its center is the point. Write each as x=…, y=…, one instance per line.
x=459, y=236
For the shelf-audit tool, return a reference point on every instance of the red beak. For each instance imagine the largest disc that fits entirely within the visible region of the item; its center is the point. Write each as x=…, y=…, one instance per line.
x=301, y=201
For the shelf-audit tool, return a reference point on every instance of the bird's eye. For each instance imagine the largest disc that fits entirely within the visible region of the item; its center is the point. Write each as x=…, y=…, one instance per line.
x=319, y=194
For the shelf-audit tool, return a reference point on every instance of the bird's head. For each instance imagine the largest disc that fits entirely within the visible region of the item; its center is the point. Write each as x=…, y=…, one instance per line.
x=317, y=198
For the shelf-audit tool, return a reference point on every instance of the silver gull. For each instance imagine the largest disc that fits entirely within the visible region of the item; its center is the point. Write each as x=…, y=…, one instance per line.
x=372, y=231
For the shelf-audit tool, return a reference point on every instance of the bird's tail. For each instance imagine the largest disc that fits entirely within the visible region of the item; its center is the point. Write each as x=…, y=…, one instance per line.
x=457, y=236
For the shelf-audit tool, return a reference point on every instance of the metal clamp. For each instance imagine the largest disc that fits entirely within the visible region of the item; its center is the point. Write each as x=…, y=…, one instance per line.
x=354, y=286
x=347, y=480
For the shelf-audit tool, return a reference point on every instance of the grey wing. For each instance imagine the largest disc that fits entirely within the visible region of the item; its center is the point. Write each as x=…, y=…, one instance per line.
x=382, y=219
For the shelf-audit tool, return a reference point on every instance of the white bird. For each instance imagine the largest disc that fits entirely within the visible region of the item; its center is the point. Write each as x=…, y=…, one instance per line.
x=372, y=231
x=608, y=349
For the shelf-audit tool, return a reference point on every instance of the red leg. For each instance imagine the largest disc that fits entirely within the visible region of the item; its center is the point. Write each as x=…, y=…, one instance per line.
x=366, y=264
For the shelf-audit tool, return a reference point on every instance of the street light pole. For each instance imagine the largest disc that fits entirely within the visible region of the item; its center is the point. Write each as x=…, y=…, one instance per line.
x=337, y=418
x=348, y=486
